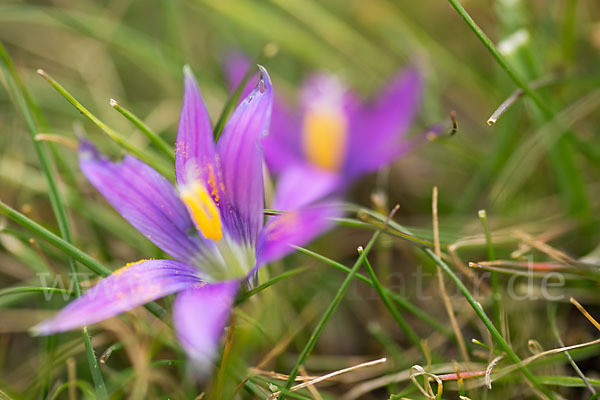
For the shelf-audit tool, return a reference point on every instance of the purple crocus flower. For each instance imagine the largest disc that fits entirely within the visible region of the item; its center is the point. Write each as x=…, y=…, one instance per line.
x=212, y=223
x=333, y=137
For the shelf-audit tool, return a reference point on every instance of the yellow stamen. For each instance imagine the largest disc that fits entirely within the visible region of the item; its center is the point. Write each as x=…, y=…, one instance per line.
x=127, y=266
x=212, y=183
x=324, y=138
x=203, y=210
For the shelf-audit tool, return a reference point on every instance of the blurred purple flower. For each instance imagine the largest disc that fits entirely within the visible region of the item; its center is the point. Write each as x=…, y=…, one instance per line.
x=333, y=137
x=213, y=224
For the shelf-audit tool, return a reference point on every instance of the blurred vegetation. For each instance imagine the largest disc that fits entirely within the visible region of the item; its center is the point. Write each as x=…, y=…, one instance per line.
x=535, y=173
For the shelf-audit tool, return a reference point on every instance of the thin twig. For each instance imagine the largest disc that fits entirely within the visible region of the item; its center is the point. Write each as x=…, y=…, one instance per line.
x=544, y=248
x=279, y=376
x=50, y=137
x=585, y=313
x=542, y=238
x=72, y=375
x=488, y=371
x=368, y=386
x=512, y=99
x=578, y=371
x=447, y=303
x=311, y=388
x=332, y=375
x=454, y=127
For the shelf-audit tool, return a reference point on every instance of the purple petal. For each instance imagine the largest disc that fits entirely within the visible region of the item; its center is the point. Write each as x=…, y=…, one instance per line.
x=195, y=149
x=283, y=145
x=129, y=287
x=147, y=200
x=301, y=185
x=294, y=228
x=200, y=315
x=241, y=161
x=327, y=89
x=378, y=131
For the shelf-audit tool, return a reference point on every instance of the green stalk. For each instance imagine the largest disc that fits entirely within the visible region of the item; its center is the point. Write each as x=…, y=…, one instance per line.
x=67, y=248
x=410, y=333
x=57, y=206
x=314, y=337
x=114, y=135
x=145, y=129
x=494, y=275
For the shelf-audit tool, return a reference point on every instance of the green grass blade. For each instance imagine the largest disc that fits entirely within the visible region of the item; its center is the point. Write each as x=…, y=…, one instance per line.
x=476, y=307
x=410, y=333
x=314, y=337
x=339, y=34
x=34, y=289
x=525, y=158
x=568, y=176
x=487, y=322
x=57, y=206
x=551, y=308
x=145, y=129
x=401, y=301
x=233, y=99
x=567, y=381
x=114, y=135
x=287, y=274
x=537, y=99
x=264, y=20
x=67, y=248
x=494, y=276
